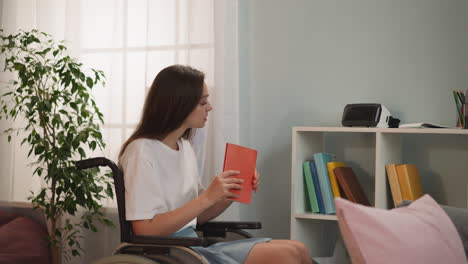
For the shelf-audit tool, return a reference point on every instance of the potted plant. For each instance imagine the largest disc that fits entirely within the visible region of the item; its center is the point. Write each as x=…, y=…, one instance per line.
x=51, y=94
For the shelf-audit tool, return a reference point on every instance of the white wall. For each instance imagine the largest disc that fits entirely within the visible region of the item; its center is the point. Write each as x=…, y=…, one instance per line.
x=301, y=61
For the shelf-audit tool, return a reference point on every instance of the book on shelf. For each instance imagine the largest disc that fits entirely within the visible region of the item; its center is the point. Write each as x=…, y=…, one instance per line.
x=350, y=185
x=422, y=125
x=321, y=160
x=392, y=177
x=334, y=184
x=311, y=192
x=244, y=160
x=410, y=183
x=315, y=181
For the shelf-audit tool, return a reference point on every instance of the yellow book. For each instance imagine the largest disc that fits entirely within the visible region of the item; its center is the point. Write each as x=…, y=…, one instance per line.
x=334, y=184
x=394, y=183
x=410, y=183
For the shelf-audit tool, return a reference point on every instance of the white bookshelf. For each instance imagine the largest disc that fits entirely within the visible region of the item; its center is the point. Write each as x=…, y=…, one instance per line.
x=440, y=154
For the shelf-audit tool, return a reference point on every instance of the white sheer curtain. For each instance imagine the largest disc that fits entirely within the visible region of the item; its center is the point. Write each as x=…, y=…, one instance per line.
x=59, y=19
x=131, y=41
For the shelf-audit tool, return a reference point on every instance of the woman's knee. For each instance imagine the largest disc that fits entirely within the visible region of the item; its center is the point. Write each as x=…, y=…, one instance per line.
x=302, y=250
x=295, y=250
x=301, y=247
x=280, y=251
x=275, y=252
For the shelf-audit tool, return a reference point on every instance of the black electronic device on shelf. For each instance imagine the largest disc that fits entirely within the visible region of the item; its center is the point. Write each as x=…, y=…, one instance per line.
x=368, y=115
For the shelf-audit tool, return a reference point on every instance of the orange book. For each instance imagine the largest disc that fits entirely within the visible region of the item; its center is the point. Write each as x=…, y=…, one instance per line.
x=244, y=160
x=395, y=189
x=410, y=184
x=331, y=174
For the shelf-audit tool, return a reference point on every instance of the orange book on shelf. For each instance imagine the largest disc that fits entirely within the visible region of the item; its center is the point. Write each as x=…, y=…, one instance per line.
x=410, y=183
x=331, y=174
x=394, y=183
x=244, y=160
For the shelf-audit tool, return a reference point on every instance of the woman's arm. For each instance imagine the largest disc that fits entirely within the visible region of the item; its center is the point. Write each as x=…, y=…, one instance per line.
x=168, y=223
x=213, y=211
x=220, y=206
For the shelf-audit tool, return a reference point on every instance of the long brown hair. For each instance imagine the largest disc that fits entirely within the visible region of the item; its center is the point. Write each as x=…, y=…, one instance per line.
x=174, y=94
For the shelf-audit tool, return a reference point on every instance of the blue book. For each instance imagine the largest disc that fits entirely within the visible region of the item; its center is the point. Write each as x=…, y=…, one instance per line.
x=315, y=180
x=321, y=160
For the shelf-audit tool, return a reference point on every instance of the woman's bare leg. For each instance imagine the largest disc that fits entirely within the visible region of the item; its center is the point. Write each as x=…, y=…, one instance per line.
x=279, y=251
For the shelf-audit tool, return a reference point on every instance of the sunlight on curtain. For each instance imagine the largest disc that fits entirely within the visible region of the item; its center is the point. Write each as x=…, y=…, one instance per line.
x=50, y=16
x=131, y=41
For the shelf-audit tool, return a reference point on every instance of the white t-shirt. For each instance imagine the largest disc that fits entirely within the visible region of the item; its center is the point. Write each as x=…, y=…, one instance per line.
x=158, y=179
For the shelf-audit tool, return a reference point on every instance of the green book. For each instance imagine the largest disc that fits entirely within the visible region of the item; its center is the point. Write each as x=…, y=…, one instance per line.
x=310, y=187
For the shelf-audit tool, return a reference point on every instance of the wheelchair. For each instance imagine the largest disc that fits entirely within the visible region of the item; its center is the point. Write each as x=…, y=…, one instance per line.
x=162, y=249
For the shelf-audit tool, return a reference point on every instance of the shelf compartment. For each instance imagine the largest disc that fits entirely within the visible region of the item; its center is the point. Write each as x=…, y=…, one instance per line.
x=442, y=162
x=319, y=236
x=316, y=216
x=357, y=150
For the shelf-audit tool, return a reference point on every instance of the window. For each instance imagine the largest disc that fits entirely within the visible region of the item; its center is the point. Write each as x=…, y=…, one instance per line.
x=131, y=41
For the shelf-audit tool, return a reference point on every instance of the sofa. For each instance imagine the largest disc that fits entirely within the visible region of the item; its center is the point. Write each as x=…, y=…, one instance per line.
x=23, y=235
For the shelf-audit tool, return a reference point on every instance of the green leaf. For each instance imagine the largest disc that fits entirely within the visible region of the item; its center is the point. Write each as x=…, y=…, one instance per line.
x=82, y=152
x=38, y=150
x=92, y=145
x=110, y=191
x=89, y=82
x=44, y=52
x=74, y=88
x=30, y=151
x=74, y=106
x=75, y=143
x=18, y=66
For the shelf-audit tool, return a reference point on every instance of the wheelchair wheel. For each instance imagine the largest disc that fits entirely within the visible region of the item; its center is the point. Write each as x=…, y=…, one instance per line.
x=125, y=259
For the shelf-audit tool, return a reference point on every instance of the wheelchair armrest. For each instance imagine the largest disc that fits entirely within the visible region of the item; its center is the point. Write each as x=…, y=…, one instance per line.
x=168, y=241
x=220, y=229
x=229, y=225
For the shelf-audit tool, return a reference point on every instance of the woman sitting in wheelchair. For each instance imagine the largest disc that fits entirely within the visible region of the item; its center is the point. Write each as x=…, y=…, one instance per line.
x=162, y=186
